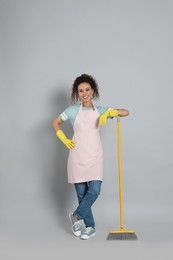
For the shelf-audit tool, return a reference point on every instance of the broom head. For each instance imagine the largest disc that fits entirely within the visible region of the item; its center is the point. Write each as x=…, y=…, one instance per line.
x=122, y=235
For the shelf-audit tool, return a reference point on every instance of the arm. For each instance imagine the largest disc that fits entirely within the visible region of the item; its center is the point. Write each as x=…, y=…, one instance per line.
x=60, y=134
x=122, y=112
x=112, y=113
x=56, y=123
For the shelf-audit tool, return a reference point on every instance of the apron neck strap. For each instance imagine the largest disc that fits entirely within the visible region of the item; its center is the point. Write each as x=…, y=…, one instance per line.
x=93, y=106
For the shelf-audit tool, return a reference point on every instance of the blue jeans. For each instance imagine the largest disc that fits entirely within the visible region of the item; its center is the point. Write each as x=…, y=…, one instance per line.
x=87, y=193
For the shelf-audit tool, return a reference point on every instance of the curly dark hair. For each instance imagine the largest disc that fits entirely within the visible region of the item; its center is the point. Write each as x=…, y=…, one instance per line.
x=84, y=78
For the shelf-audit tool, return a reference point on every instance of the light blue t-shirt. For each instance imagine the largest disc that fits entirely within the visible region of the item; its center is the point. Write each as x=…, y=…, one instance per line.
x=72, y=111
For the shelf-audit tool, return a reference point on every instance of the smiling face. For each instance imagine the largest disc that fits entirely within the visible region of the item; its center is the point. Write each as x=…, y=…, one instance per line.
x=85, y=93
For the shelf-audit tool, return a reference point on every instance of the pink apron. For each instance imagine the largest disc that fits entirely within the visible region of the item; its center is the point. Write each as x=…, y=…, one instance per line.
x=85, y=161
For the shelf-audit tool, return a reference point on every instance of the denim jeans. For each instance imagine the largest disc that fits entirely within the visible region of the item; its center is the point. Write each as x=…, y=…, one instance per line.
x=87, y=193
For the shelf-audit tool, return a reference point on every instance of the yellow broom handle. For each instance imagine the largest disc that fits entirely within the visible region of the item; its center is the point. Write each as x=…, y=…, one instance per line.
x=120, y=174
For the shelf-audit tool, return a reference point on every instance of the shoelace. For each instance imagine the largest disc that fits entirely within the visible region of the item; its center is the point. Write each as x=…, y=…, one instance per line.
x=88, y=229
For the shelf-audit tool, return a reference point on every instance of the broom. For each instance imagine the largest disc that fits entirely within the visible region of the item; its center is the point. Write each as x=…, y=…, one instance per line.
x=121, y=234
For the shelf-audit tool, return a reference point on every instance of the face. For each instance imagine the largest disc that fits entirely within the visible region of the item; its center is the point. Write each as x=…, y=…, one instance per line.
x=85, y=92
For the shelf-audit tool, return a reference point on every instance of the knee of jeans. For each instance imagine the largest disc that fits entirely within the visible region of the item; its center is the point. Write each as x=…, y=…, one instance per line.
x=81, y=190
x=80, y=195
x=95, y=192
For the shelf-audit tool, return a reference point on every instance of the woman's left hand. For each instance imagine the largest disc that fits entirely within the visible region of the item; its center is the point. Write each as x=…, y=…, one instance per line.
x=105, y=115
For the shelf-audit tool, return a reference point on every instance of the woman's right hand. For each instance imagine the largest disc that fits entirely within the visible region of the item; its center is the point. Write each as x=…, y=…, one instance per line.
x=70, y=144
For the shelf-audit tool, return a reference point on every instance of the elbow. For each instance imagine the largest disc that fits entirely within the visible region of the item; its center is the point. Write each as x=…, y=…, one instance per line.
x=123, y=112
x=54, y=125
x=126, y=112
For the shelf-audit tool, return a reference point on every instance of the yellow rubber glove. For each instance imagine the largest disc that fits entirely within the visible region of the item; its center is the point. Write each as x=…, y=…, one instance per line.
x=69, y=143
x=108, y=113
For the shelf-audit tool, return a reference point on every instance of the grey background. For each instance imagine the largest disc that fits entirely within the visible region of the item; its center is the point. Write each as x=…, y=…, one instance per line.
x=128, y=47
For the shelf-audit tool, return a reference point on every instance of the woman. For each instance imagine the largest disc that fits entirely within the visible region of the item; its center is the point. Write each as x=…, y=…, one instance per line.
x=85, y=161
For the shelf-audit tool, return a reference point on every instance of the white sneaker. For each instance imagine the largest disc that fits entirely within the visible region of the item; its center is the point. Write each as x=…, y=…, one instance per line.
x=76, y=226
x=89, y=232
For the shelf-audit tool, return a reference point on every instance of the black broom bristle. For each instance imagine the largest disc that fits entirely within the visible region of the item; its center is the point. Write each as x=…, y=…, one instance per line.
x=122, y=236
